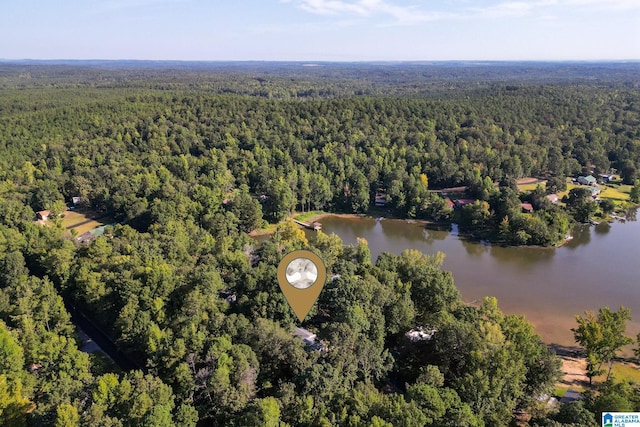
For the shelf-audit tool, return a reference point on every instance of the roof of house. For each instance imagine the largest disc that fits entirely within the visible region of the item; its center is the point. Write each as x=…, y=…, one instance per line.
x=462, y=202
x=571, y=396
x=527, y=207
x=588, y=178
x=420, y=334
x=42, y=214
x=309, y=339
x=552, y=197
x=304, y=334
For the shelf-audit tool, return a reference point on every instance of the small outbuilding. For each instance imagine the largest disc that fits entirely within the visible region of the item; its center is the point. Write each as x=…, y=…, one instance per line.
x=527, y=207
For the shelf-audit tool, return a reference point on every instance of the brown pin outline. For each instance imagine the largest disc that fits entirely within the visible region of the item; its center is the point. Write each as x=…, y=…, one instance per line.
x=301, y=300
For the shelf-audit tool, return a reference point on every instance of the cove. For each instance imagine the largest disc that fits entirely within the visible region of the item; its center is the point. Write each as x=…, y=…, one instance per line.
x=599, y=267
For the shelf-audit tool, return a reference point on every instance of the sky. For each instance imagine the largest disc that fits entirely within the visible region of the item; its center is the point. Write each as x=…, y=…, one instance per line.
x=321, y=30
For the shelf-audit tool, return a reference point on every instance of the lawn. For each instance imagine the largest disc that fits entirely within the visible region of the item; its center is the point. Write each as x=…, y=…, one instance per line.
x=623, y=371
x=570, y=186
x=304, y=217
x=81, y=222
x=531, y=186
x=619, y=192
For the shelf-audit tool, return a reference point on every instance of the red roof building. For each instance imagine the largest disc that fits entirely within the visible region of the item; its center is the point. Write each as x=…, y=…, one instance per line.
x=527, y=207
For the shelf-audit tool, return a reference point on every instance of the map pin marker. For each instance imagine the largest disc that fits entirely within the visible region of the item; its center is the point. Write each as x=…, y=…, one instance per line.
x=301, y=276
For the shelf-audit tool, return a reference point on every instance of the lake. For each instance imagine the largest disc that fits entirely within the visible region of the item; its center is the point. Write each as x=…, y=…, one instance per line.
x=599, y=267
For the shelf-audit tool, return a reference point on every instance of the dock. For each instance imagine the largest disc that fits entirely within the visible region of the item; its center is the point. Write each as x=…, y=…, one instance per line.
x=316, y=226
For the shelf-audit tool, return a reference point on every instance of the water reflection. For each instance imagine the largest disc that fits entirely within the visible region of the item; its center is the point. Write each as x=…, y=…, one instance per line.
x=524, y=257
x=475, y=249
x=433, y=233
x=581, y=235
x=632, y=214
x=602, y=228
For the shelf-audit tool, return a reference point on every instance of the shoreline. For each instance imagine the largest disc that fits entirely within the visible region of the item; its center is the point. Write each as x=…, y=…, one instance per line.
x=467, y=236
x=317, y=218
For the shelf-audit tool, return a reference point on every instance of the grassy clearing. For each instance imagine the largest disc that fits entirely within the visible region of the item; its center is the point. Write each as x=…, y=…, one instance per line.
x=560, y=391
x=570, y=186
x=622, y=371
x=530, y=187
x=265, y=230
x=306, y=216
x=81, y=222
x=617, y=193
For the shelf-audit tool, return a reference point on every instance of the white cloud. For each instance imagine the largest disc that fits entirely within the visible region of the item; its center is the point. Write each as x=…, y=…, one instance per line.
x=405, y=14
x=512, y=8
x=615, y=5
x=368, y=8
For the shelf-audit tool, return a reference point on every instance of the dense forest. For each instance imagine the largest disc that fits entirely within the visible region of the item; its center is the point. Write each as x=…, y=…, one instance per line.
x=186, y=161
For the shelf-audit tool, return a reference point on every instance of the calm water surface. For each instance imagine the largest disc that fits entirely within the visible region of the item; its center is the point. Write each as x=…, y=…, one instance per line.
x=599, y=267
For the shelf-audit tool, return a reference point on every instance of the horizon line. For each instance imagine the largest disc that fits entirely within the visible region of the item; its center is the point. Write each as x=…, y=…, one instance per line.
x=323, y=61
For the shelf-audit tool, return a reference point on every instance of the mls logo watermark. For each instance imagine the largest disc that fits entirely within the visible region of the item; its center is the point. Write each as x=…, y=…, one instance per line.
x=621, y=419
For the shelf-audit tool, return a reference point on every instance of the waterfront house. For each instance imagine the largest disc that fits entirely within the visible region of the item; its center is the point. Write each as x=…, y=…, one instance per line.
x=381, y=199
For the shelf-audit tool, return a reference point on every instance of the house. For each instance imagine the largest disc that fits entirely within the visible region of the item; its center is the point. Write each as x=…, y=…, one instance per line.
x=526, y=207
x=606, y=178
x=461, y=202
x=586, y=180
x=449, y=203
x=420, y=334
x=553, y=198
x=594, y=192
x=43, y=215
x=229, y=296
x=571, y=396
x=75, y=200
x=307, y=336
x=34, y=367
x=309, y=339
x=381, y=199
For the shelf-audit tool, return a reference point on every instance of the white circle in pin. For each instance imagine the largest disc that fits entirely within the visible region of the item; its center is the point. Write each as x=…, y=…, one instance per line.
x=301, y=273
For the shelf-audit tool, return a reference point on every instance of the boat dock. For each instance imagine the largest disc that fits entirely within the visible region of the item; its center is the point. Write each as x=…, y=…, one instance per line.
x=316, y=226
